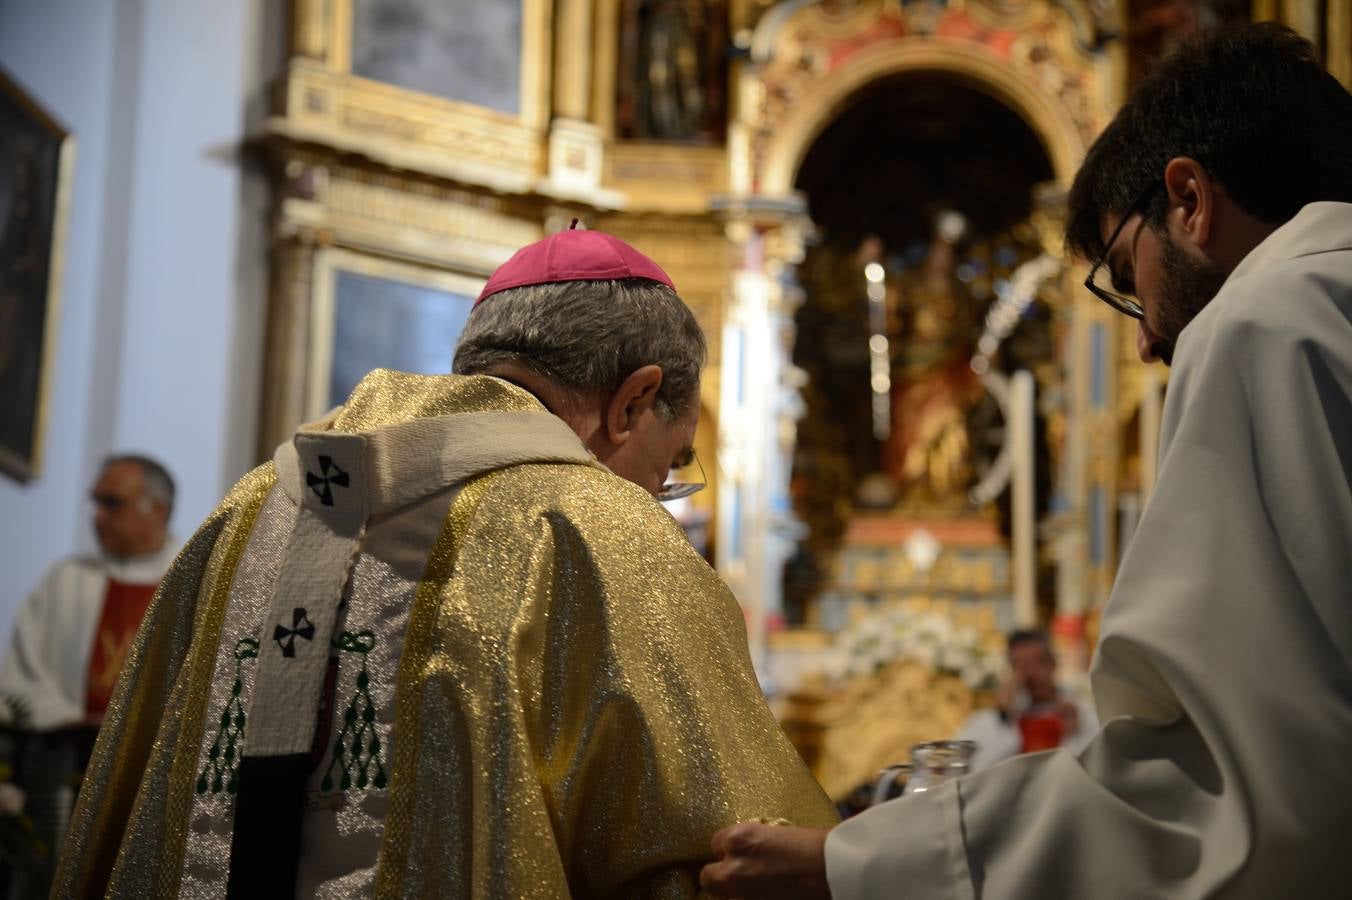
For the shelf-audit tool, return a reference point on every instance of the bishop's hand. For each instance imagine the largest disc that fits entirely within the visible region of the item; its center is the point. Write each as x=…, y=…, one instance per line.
x=762, y=862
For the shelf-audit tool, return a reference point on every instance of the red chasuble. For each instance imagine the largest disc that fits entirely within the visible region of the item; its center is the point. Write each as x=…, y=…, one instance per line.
x=124, y=605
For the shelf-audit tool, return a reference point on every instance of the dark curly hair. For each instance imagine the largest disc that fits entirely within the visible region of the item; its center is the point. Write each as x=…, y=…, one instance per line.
x=1252, y=104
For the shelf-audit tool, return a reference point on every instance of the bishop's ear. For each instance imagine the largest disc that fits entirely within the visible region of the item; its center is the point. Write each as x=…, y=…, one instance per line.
x=1192, y=199
x=635, y=397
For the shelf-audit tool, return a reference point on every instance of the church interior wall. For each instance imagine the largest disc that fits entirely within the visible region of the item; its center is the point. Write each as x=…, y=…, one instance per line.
x=44, y=514
x=159, y=333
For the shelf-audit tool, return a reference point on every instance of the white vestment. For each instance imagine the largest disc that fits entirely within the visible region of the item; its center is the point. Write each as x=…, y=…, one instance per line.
x=1224, y=670
x=47, y=668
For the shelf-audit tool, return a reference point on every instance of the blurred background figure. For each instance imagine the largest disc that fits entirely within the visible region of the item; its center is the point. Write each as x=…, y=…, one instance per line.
x=1032, y=711
x=70, y=640
x=72, y=636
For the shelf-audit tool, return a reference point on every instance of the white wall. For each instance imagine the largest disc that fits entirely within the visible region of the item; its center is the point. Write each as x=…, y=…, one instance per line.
x=160, y=334
x=41, y=520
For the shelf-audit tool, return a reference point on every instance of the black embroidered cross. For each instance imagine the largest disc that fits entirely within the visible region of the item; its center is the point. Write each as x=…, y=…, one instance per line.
x=305, y=631
x=323, y=484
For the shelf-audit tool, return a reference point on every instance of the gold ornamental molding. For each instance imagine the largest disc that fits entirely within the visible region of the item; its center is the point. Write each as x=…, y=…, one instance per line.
x=810, y=60
x=283, y=397
x=668, y=178
x=792, y=136
x=847, y=733
x=320, y=100
x=401, y=215
x=488, y=235
x=407, y=130
x=1010, y=14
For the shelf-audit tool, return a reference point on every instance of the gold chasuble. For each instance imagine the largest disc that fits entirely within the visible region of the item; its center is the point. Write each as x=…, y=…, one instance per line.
x=503, y=671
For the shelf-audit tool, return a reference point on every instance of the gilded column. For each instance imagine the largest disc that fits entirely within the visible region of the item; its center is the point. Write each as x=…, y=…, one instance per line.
x=576, y=141
x=311, y=28
x=572, y=60
x=288, y=334
x=1338, y=40
x=1328, y=24
x=1023, y=498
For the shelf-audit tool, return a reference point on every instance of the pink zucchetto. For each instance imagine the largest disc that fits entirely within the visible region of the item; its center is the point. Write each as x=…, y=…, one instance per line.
x=573, y=255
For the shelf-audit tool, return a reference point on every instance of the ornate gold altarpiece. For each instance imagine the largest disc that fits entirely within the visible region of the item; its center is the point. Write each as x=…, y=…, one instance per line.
x=848, y=735
x=1054, y=65
x=387, y=182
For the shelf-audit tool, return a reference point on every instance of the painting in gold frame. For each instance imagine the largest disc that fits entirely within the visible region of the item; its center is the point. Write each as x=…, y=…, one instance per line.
x=36, y=155
x=371, y=312
x=462, y=50
x=324, y=99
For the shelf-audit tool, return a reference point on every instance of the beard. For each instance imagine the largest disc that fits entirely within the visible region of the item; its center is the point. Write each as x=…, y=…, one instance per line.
x=1188, y=285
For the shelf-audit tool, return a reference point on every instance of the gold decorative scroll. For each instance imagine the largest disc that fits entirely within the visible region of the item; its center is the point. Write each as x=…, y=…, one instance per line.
x=848, y=734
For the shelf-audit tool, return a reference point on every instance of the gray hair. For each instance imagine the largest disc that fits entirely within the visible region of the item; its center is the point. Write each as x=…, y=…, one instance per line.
x=588, y=336
x=159, y=484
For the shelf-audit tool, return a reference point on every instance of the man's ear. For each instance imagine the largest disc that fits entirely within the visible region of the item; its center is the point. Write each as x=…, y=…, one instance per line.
x=635, y=396
x=1191, y=198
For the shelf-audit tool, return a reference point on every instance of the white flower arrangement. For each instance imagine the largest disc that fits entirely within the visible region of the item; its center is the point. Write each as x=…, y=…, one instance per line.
x=929, y=638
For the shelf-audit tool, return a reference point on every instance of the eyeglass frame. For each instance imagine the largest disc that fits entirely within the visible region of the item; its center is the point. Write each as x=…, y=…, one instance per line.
x=678, y=490
x=1128, y=306
x=113, y=504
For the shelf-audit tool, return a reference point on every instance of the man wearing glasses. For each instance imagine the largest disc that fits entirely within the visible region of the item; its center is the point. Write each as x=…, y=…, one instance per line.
x=73, y=635
x=1217, y=210
x=448, y=643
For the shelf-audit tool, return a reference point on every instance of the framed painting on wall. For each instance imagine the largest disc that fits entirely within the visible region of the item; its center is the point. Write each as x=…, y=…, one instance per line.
x=454, y=88
x=463, y=50
x=370, y=312
x=35, y=164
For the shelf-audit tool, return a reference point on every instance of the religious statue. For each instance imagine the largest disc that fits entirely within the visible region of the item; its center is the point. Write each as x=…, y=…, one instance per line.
x=933, y=386
x=674, y=65
x=670, y=53
x=835, y=453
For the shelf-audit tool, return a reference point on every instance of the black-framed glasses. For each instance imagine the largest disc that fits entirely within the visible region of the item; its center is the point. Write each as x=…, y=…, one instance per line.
x=675, y=490
x=1122, y=301
x=109, y=502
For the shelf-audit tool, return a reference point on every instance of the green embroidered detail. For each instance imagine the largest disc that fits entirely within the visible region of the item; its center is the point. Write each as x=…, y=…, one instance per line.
x=357, y=749
x=357, y=758
x=220, y=772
